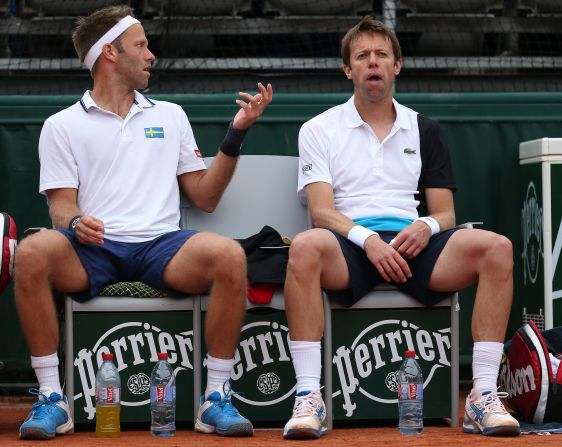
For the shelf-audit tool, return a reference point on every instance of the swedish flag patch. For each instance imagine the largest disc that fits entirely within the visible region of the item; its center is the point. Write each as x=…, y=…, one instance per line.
x=154, y=132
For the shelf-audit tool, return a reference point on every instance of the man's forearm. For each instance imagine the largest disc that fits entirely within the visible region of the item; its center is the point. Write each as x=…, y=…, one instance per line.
x=62, y=214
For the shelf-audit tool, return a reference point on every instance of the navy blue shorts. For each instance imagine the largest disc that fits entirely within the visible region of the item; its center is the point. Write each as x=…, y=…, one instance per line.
x=126, y=261
x=364, y=276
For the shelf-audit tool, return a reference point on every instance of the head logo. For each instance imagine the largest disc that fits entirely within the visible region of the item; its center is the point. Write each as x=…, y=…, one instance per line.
x=379, y=348
x=531, y=232
x=135, y=346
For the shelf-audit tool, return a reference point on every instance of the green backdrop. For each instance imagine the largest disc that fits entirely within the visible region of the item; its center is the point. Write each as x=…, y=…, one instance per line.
x=483, y=132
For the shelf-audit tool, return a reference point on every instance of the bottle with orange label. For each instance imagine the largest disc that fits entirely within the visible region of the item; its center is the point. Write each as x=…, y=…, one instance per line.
x=108, y=399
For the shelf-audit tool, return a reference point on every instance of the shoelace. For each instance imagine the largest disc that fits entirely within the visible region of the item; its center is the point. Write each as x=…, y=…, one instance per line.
x=225, y=403
x=43, y=407
x=493, y=403
x=305, y=406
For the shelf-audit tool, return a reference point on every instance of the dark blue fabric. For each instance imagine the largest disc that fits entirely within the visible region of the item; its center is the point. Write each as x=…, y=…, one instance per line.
x=364, y=276
x=126, y=261
x=550, y=427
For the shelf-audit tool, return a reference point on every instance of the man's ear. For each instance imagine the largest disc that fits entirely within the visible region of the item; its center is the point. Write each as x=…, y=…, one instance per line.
x=347, y=70
x=397, y=67
x=109, y=51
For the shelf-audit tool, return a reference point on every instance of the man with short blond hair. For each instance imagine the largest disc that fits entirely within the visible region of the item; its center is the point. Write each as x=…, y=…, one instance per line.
x=112, y=167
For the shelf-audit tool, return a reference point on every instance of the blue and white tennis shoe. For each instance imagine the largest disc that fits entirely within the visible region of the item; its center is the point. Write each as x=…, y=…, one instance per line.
x=48, y=417
x=218, y=415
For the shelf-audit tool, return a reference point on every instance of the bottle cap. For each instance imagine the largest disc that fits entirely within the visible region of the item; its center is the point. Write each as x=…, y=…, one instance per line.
x=107, y=356
x=162, y=356
x=410, y=354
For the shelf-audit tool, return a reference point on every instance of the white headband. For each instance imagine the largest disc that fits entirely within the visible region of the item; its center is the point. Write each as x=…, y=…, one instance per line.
x=108, y=37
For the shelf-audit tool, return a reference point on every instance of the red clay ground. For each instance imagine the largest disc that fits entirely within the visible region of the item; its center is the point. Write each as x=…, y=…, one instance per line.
x=13, y=412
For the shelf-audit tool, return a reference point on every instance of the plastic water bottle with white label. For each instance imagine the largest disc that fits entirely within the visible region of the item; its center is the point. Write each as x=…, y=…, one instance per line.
x=410, y=396
x=108, y=399
x=163, y=398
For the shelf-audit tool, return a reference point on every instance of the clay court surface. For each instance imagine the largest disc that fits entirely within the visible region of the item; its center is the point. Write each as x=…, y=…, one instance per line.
x=436, y=433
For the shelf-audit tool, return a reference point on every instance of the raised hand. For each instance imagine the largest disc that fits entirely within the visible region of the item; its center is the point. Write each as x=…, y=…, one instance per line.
x=253, y=107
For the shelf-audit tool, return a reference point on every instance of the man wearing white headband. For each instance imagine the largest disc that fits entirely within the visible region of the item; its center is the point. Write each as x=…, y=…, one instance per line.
x=112, y=167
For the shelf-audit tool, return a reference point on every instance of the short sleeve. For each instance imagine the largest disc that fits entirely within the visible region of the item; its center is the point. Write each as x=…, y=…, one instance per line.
x=190, y=156
x=314, y=163
x=436, y=162
x=58, y=168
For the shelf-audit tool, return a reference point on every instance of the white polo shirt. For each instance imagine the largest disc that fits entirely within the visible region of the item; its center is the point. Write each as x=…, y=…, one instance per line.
x=369, y=178
x=125, y=170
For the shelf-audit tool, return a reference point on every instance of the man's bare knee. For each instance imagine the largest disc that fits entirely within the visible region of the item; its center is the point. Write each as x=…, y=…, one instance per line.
x=30, y=260
x=231, y=259
x=304, y=252
x=499, y=256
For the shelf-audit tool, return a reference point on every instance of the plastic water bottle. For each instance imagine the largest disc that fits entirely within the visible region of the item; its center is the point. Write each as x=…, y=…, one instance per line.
x=108, y=399
x=410, y=396
x=163, y=398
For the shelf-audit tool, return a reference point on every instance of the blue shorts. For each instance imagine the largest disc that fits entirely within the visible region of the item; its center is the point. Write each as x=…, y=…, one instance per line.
x=364, y=276
x=126, y=261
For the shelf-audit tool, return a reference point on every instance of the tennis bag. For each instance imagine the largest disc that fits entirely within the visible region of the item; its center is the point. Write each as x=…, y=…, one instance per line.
x=526, y=374
x=8, y=242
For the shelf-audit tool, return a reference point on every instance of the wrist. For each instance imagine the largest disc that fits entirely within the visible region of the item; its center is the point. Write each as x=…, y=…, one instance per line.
x=74, y=223
x=358, y=235
x=232, y=143
x=431, y=223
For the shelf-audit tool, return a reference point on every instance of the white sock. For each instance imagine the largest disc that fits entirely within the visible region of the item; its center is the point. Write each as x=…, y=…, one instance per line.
x=47, y=371
x=218, y=372
x=307, y=363
x=486, y=359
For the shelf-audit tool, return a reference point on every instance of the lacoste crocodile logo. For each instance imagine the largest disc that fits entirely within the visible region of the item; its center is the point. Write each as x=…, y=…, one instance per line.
x=409, y=151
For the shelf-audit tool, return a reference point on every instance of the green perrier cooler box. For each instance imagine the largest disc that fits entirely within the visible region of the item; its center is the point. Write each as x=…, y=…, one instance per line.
x=134, y=338
x=368, y=349
x=541, y=236
x=263, y=375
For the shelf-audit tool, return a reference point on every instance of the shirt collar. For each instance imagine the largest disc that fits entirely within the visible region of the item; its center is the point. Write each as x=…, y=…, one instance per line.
x=141, y=101
x=353, y=119
x=402, y=119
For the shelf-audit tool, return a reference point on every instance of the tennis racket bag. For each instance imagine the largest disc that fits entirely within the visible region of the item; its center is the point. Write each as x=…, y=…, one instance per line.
x=526, y=374
x=8, y=242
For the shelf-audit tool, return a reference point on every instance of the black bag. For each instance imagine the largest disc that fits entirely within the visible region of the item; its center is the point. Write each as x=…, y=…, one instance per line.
x=526, y=374
x=267, y=253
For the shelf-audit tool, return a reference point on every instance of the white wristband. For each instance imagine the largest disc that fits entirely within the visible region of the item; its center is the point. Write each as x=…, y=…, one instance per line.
x=431, y=222
x=358, y=235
